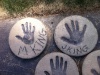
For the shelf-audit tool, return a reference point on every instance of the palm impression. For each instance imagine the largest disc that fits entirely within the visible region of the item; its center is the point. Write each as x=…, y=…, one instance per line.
x=28, y=38
x=75, y=35
x=56, y=64
x=58, y=68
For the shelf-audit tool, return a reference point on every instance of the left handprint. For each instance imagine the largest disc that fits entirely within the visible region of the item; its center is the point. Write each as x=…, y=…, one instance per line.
x=60, y=67
x=28, y=31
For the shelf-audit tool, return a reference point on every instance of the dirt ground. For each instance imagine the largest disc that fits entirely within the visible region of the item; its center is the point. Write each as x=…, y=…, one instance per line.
x=51, y=9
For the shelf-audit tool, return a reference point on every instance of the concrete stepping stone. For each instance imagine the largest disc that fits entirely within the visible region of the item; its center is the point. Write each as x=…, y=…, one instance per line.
x=56, y=64
x=28, y=38
x=76, y=35
x=91, y=64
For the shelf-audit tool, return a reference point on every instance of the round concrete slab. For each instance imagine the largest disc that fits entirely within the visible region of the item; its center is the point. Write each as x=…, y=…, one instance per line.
x=91, y=64
x=76, y=35
x=56, y=64
x=28, y=38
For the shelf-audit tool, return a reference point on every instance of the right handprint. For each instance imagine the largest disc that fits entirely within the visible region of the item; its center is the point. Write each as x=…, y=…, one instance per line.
x=28, y=37
x=76, y=36
x=93, y=70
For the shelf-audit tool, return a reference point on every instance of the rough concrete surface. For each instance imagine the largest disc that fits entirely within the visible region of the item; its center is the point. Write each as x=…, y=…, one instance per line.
x=12, y=65
x=91, y=64
x=73, y=35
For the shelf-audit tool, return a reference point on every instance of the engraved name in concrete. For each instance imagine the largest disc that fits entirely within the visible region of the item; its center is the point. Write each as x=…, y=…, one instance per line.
x=76, y=35
x=28, y=38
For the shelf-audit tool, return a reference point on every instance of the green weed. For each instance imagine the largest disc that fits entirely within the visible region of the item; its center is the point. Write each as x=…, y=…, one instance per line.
x=16, y=6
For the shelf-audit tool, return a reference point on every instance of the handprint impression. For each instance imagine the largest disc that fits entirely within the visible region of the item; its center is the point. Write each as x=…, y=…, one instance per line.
x=59, y=68
x=93, y=70
x=28, y=37
x=76, y=36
